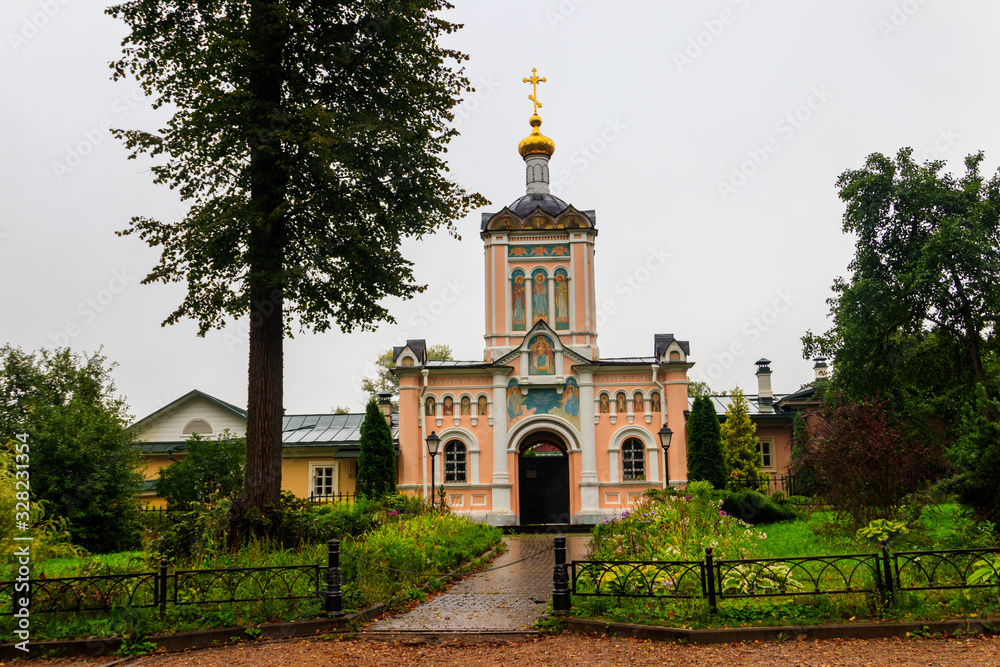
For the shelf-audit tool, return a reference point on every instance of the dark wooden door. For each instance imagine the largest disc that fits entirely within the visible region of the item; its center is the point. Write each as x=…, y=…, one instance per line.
x=543, y=483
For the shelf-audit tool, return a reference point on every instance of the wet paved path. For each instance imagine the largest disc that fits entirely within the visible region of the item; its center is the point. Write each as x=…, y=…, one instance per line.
x=508, y=599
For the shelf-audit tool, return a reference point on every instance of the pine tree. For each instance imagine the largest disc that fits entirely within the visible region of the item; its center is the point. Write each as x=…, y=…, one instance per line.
x=739, y=440
x=377, y=461
x=705, y=460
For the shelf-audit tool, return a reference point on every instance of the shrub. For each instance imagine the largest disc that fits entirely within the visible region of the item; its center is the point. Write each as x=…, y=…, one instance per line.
x=757, y=508
x=377, y=460
x=865, y=463
x=212, y=469
x=705, y=461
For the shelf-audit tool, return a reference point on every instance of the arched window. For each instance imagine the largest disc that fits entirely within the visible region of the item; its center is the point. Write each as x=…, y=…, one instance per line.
x=430, y=407
x=633, y=460
x=454, y=461
x=638, y=405
x=197, y=426
x=621, y=403
x=654, y=402
x=605, y=403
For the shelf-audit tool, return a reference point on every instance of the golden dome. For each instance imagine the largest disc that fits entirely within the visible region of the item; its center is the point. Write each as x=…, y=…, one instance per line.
x=536, y=142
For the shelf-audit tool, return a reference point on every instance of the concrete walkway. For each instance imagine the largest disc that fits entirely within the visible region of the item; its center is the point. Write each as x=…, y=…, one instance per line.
x=508, y=599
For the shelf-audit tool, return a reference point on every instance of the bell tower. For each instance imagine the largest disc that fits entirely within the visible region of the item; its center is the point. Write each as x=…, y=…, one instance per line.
x=539, y=258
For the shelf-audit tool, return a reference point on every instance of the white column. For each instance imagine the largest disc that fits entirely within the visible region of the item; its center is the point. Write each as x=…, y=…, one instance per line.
x=589, y=491
x=501, y=477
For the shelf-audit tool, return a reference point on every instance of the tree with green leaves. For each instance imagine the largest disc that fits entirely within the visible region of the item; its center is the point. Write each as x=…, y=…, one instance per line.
x=915, y=324
x=704, y=456
x=377, y=460
x=210, y=470
x=804, y=476
x=698, y=388
x=739, y=442
x=385, y=380
x=84, y=463
x=307, y=138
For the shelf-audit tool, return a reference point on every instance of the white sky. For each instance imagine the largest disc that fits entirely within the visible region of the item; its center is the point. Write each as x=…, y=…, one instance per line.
x=652, y=104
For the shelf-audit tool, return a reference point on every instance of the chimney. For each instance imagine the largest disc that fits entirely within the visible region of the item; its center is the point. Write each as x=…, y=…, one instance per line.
x=385, y=405
x=820, y=368
x=764, y=392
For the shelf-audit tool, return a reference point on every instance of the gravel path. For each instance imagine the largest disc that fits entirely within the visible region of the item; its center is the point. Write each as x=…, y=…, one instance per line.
x=582, y=651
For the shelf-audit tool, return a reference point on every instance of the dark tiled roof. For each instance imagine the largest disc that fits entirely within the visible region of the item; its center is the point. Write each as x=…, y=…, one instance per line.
x=662, y=341
x=627, y=361
x=457, y=364
x=325, y=430
x=528, y=203
x=757, y=408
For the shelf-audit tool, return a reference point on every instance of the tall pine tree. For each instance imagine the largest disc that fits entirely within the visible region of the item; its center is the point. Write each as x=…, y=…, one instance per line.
x=705, y=460
x=377, y=461
x=739, y=440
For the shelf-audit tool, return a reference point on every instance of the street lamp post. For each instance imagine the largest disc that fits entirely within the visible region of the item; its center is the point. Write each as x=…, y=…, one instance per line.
x=433, y=442
x=665, y=435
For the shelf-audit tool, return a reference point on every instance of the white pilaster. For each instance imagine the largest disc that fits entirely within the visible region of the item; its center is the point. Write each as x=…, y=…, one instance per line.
x=589, y=491
x=501, y=476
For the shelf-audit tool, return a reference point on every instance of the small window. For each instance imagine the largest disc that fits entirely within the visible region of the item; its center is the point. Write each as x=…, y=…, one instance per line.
x=638, y=405
x=675, y=356
x=454, y=462
x=765, y=449
x=621, y=403
x=654, y=402
x=197, y=427
x=430, y=407
x=633, y=460
x=605, y=404
x=323, y=480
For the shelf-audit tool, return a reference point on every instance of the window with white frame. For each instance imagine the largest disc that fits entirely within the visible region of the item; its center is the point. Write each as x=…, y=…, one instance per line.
x=454, y=462
x=633, y=460
x=324, y=477
x=765, y=448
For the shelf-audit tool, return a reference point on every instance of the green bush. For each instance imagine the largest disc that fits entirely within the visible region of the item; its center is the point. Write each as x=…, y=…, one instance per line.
x=757, y=508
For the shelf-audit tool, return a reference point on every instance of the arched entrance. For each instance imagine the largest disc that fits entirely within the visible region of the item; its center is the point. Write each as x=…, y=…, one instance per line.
x=543, y=480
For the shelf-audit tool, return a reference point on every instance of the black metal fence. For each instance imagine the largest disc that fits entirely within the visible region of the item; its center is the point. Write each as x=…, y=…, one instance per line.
x=765, y=482
x=334, y=498
x=181, y=587
x=883, y=572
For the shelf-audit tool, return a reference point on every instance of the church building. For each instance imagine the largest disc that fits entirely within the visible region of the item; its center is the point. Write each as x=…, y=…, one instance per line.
x=542, y=429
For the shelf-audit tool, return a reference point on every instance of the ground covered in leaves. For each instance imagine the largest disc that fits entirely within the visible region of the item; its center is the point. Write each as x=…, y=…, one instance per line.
x=576, y=650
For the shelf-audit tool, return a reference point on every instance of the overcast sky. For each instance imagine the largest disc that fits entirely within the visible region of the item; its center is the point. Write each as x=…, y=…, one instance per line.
x=708, y=136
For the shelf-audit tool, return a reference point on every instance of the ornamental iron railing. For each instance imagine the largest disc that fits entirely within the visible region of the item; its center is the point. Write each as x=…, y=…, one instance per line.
x=182, y=587
x=884, y=573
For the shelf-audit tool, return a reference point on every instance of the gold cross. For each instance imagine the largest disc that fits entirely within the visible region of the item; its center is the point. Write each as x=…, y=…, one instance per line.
x=534, y=81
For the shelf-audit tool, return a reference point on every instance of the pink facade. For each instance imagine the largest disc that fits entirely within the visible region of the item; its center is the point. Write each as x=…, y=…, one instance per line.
x=542, y=430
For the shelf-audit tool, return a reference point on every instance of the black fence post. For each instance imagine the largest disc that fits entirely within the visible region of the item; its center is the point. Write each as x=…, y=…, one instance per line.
x=161, y=586
x=333, y=600
x=887, y=569
x=560, y=580
x=710, y=575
